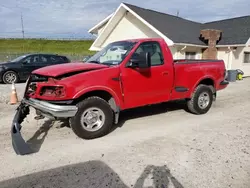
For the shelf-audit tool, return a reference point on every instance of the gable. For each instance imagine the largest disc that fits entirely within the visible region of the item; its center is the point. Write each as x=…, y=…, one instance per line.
x=141, y=28
x=133, y=28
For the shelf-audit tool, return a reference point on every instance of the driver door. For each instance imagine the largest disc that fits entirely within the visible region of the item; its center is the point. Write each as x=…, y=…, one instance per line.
x=142, y=86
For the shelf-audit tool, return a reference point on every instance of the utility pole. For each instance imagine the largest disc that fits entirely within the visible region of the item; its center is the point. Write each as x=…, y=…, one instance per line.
x=177, y=13
x=21, y=17
x=22, y=24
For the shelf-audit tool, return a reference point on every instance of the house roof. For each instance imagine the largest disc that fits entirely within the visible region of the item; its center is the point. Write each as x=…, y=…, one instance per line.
x=177, y=29
x=235, y=31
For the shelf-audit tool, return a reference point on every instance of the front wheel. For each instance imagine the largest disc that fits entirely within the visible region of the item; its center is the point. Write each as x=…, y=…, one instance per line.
x=93, y=119
x=201, y=100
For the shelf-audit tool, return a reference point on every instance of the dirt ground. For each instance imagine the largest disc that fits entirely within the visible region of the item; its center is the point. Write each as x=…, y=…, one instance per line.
x=157, y=146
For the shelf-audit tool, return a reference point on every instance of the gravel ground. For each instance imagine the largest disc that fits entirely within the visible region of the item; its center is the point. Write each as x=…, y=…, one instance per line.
x=158, y=146
x=5, y=92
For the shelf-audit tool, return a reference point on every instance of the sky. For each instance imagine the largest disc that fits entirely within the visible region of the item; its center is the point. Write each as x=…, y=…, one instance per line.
x=73, y=18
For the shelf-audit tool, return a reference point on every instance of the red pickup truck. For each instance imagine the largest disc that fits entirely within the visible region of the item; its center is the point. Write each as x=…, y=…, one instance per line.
x=123, y=75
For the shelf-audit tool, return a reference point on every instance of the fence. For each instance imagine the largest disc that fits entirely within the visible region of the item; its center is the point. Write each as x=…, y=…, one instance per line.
x=10, y=56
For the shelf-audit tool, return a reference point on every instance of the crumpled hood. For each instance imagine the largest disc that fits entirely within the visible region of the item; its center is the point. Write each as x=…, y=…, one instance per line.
x=61, y=69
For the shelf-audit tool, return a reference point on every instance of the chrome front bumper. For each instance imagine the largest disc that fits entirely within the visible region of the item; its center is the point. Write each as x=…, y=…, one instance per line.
x=56, y=111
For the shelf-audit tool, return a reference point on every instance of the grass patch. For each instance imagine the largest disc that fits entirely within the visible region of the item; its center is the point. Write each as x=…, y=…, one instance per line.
x=64, y=47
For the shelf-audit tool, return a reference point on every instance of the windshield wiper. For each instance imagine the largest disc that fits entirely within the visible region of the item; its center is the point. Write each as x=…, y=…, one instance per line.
x=97, y=62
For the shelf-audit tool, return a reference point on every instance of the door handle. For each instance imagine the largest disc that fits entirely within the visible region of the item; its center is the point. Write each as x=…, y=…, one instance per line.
x=165, y=73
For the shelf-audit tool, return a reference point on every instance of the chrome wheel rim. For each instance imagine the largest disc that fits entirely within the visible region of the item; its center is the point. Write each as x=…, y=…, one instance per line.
x=203, y=100
x=92, y=119
x=10, y=77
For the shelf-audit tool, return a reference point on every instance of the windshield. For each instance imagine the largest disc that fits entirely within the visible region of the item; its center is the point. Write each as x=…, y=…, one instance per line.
x=112, y=54
x=18, y=59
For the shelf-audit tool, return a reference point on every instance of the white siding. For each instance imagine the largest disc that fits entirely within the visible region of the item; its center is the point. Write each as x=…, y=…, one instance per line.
x=173, y=50
x=180, y=52
x=238, y=60
x=224, y=55
x=234, y=59
x=129, y=27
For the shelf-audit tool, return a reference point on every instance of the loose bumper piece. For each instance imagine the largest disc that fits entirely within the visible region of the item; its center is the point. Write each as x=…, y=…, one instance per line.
x=18, y=143
x=56, y=111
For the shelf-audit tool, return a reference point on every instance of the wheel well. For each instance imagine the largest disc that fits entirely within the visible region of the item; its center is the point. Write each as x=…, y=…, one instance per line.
x=98, y=93
x=208, y=82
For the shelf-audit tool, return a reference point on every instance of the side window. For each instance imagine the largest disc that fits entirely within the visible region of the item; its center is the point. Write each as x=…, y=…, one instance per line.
x=44, y=59
x=55, y=59
x=32, y=59
x=155, y=52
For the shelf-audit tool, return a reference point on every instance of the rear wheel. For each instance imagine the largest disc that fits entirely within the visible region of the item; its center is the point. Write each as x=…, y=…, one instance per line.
x=201, y=100
x=93, y=119
x=10, y=77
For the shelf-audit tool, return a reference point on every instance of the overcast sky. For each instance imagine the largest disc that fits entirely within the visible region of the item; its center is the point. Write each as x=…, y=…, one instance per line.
x=73, y=18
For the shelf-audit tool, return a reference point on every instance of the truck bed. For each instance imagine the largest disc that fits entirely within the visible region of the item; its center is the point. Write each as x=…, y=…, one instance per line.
x=188, y=73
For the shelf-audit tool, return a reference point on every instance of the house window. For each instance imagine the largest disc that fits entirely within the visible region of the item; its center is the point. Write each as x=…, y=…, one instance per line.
x=190, y=55
x=246, y=57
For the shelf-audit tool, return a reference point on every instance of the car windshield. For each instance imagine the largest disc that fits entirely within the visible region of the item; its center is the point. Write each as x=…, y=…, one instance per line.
x=112, y=54
x=18, y=58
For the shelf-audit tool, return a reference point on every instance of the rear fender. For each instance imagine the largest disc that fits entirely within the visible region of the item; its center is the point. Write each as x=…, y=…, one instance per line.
x=198, y=82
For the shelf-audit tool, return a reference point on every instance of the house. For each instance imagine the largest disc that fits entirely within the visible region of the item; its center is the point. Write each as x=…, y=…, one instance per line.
x=227, y=39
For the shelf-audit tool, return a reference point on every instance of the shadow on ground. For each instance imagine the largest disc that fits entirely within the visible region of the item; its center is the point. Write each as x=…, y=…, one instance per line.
x=150, y=111
x=36, y=141
x=91, y=174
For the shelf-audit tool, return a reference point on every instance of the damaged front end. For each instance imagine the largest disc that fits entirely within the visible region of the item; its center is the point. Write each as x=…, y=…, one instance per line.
x=55, y=111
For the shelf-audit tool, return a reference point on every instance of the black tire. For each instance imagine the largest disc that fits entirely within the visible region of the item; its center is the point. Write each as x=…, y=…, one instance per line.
x=92, y=102
x=5, y=77
x=193, y=103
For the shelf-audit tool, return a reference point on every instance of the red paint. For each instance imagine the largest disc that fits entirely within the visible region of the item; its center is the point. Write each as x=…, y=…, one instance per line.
x=136, y=87
x=59, y=69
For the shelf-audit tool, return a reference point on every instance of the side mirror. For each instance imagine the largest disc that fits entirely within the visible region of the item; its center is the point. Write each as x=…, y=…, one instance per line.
x=24, y=62
x=141, y=60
